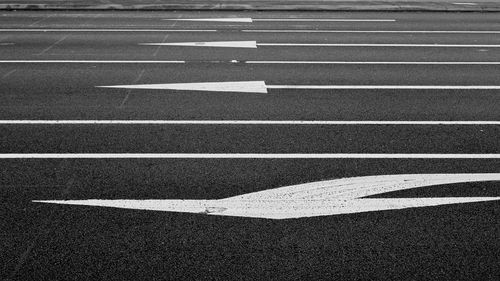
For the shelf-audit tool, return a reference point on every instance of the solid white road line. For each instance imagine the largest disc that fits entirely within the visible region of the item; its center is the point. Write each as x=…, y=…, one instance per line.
x=261, y=87
x=379, y=62
x=385, y=87
x=244, y=30
x=100, y=30
x=214, y=19
x=258, y=62
x=239, y=122
x=371, y=31
x=248, y=20
x=324, y=20
x=247, y=156
x=254, y=44
x=377, y=45
x=323, y=198
x=94, y=61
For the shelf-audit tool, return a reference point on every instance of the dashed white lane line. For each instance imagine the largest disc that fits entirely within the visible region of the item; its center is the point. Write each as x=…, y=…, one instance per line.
x=253, y=62
x=246, y=156
x=241, y=122
x=6, y=44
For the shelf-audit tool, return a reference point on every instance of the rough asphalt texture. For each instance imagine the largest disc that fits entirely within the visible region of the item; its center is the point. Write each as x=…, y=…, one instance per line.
x=264, y=5
x=50, y=242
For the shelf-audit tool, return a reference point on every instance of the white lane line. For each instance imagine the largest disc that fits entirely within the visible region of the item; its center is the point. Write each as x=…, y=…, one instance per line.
x=249, y=20
x=385, y=87
x=313, y=199
x=247, y=156
x=254, y=44
x=94, y=61
x=379, y=62
x=261, y=87
x=214, y=19
x=371, y=31
x=245, y=30
x=100, y=30
x=465, y=3
x=378, y=45
x=325, y=20
x=256, y=62
x=240, y=122
x=6, y=44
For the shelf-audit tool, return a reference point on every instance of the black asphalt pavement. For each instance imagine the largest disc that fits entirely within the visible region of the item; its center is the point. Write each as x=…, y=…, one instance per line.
x=51, y=65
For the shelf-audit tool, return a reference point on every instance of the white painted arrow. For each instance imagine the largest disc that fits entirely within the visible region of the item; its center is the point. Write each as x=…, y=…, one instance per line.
x=324, y=198
x=242, y=87
x=221, y=44
x=254, y=44
x=261, y=87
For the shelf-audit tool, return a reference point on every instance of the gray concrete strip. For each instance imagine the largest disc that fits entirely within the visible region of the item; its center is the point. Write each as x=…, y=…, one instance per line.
x=273, y=5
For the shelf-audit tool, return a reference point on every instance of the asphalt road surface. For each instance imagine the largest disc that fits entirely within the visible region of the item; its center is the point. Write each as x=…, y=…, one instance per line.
x=51, y=67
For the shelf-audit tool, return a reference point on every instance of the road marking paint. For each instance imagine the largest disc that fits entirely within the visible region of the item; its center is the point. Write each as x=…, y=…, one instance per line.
x=100, y=30
x=257, y=62
x=214, y=19
x=247, y=156
x=377, y=45
x=254, y=44
x=325, y=20
x=261, y=87
x=247, y=20
x=226, y=44
x=465, y=3
x=93, y=61
x=323, y=198
x=242, y=87
x=244, y=30
x=238, y=122
x=370, y=31
x=379, y=62
x=6, y=44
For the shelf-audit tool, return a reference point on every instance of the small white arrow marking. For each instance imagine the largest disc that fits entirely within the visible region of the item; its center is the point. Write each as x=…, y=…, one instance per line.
x=222, y=44
x=242, y=87
x=324, y=198
x=261, y=87
x=216, y=19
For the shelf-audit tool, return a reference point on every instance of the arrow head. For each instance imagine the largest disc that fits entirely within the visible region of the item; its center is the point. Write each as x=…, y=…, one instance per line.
x=241, y=87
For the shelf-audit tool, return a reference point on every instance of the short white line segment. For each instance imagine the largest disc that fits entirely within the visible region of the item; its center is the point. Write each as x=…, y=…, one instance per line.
x=247, y=156
x=323, y=198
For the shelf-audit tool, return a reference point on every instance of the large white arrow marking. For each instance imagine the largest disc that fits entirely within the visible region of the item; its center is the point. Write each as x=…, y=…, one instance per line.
x=261, y=87
x=254, y=44
x=242, y=87
x=333, y=197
